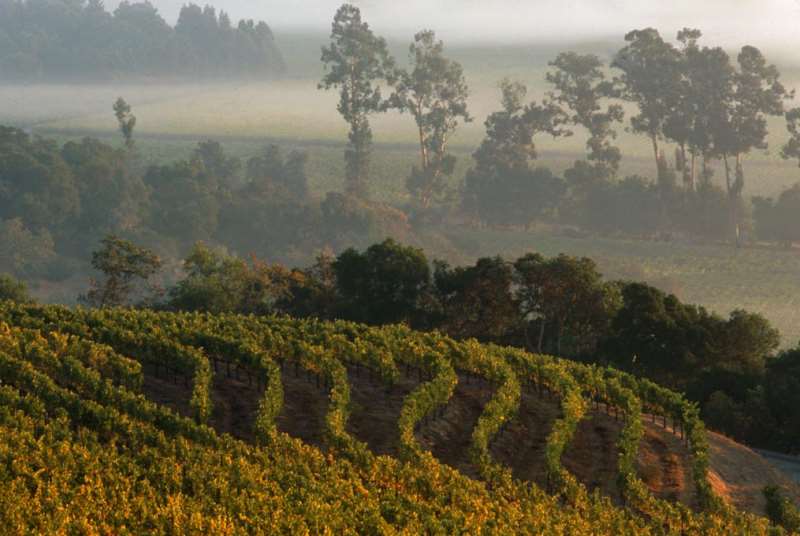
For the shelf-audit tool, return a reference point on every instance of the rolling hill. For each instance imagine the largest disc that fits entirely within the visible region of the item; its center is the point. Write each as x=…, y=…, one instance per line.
x=122, y=421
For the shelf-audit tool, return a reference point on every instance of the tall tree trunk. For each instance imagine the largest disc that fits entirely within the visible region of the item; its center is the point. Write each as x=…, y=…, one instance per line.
x=422, y=148
x=732, y=219
x=737, y=192
x=685, y=170
x=727, y=174
x=654, y=141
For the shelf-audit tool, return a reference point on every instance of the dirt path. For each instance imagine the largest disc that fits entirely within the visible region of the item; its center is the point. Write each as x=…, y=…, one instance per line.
x=235, y=405
x=592, y=454
x=450, y=436
x=167, y=392
x=521, y=446
x=304, y=407
x=375, y=409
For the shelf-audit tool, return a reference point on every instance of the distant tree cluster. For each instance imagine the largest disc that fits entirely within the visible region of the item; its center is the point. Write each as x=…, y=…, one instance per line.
x=58, y=202
x=711, y=108
x=76, y=39
x=689, y=95
x=433, y=90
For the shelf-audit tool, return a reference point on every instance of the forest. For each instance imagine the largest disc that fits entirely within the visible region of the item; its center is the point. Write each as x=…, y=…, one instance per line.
x=76, y=40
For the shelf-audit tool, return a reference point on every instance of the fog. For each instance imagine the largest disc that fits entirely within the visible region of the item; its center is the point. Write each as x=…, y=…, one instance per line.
x=770, y=23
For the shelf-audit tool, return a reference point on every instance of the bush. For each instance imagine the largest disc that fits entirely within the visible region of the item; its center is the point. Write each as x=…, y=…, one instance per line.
x=13, y=290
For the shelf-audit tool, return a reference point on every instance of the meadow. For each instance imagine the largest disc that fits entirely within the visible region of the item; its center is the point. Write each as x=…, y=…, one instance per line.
x=293, y=113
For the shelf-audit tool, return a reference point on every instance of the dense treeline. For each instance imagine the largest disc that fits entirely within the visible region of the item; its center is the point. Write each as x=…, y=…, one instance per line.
x=79, y=39
x=58, y=202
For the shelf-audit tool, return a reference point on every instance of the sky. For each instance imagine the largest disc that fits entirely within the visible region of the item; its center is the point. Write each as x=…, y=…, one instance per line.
x=728, y=22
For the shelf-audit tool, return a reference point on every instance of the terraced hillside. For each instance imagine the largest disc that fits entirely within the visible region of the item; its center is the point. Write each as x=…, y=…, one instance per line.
x=120, y=421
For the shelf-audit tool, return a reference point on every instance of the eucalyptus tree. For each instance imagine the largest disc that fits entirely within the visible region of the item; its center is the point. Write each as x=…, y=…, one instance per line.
x=682, y=124
x=741, y=125
x=651, y=77
x=510, y=132
x=792, y=147
x=434, y=91
x=581, y=86
x=503, y=159
x=357, y=62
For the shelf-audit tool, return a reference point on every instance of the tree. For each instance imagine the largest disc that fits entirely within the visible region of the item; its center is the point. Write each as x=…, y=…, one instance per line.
x=384, y=284
x=356, y=61
x=777, y=220
x=313, y=292
x=218, y=283
x=651, y=77
x=783, y=398
x=681, y=123
x=186, y=200
x=36, y=185
x=80, y=40
x=112, y=198
x=631, y=206
x=124, y=265
x=792, y=147
x=741, y=125
x=25, y=253
x=743, y=343
x=502, y=177
x=705, y=76
x=580, y=85
x=215, y=162
x=656, y=336
x=566, y=295
x=435, y=93
x=477, y=301
x=126, y=121
x=13, y=290
x=683, y=346
x=271, y=175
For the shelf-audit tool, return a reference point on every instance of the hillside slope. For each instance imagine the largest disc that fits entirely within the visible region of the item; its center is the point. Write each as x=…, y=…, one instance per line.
x=121, y=421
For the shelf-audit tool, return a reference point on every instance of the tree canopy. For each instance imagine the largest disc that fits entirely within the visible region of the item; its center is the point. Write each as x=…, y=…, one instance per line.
x=65, y=39
x=356, y=62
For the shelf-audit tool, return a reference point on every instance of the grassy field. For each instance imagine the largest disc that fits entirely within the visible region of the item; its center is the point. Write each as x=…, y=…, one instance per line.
x=293, y=113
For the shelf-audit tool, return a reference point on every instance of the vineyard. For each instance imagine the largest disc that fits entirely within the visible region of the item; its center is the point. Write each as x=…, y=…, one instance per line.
x=119, y=421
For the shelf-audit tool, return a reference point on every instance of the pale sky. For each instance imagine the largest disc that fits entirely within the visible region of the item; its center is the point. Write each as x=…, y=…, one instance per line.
x=766, y=23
